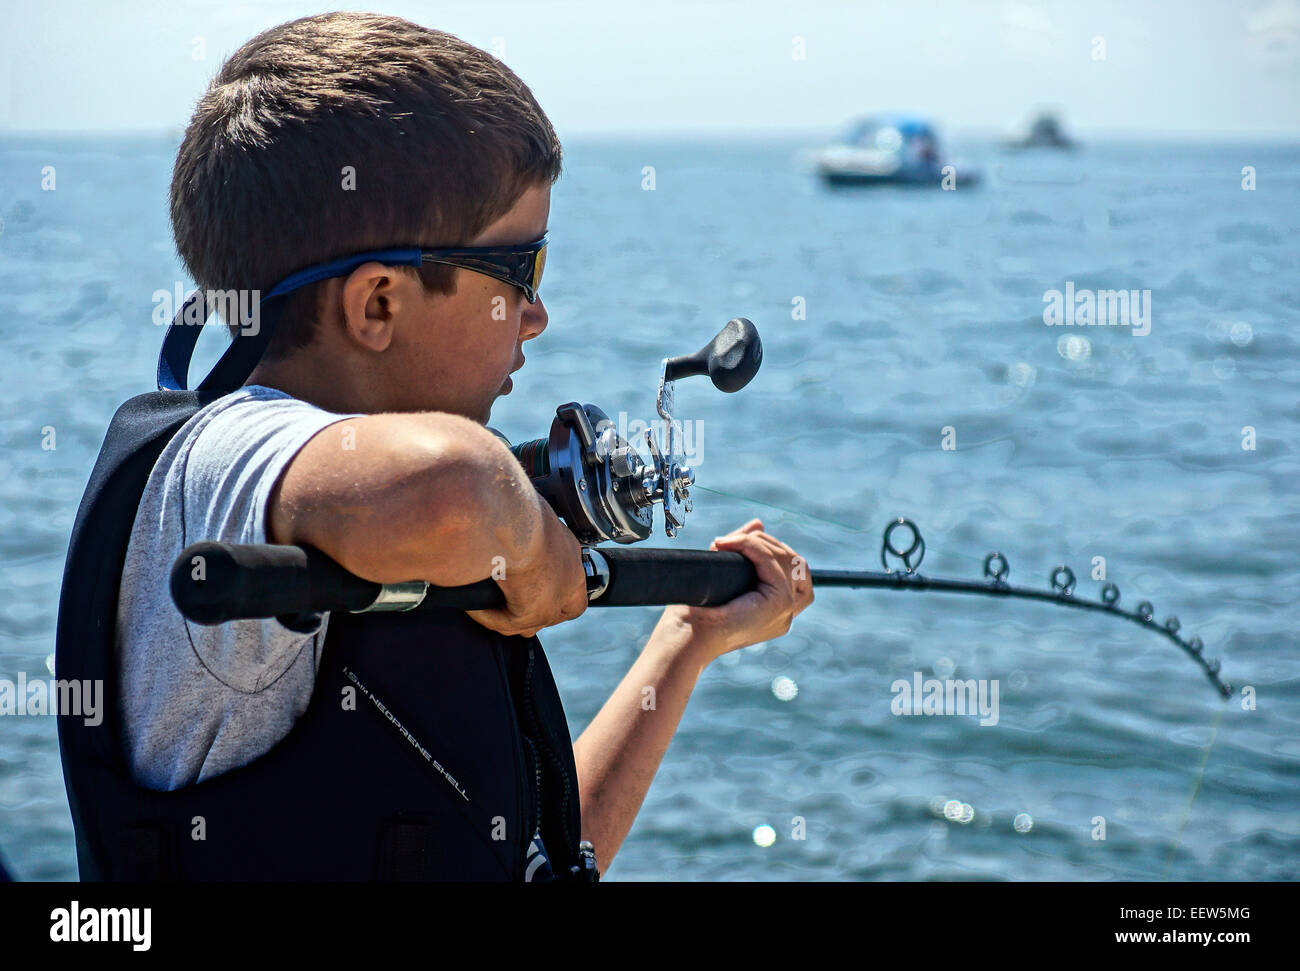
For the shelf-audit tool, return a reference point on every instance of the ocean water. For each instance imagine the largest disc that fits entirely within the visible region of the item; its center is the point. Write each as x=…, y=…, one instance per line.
x=888, y=316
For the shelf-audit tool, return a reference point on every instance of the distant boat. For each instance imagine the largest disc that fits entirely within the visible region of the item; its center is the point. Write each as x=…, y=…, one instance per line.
x=1044, y=132
x=889, y=150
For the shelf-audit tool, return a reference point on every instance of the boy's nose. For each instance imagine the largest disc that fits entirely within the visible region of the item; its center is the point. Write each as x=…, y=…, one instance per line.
x=533, y=320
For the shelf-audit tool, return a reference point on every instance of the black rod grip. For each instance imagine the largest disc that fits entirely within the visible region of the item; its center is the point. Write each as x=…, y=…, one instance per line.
x=641, y=576
x=212, y=583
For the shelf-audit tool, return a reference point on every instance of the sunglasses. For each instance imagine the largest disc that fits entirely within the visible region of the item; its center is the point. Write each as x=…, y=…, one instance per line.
x=520, y=266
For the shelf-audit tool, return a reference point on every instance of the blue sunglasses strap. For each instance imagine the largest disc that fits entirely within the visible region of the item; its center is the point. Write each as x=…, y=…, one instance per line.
x=241, y=357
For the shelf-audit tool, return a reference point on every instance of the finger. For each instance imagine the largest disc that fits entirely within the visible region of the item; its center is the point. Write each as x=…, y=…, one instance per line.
x=790, y=563
x=503, y=621
x=783, y=552
x=512, y=623
x=804, y=594
x=752, y=526
x=735, y=534
x=496, y=620
x=758, y=537
x=772, y=541
x=785, y=546
x=577, y=603
x=766, y=559
x=778, y=552
x=750, y=541
x=800, y=573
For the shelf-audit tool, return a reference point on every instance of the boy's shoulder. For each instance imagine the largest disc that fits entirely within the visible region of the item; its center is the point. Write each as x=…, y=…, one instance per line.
x=249, y=418
x=215, y=477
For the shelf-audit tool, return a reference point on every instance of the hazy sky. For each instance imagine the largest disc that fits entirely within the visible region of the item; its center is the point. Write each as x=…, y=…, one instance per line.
x=1195, y=66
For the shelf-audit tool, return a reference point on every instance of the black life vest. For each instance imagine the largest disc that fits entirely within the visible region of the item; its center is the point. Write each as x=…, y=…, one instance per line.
x=353, y=791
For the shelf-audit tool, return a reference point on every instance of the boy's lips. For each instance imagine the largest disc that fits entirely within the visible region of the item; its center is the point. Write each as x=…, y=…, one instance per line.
x=508, y=385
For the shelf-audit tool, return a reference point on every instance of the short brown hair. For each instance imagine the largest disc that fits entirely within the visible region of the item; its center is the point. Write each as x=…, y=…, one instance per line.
x=441, y=138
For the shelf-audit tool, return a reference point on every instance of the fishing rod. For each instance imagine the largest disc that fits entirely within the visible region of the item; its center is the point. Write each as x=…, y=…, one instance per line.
x=606, y=490
x=996, y=571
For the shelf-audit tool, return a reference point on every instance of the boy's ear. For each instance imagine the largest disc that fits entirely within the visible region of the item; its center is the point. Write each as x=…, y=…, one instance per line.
x=374, y=297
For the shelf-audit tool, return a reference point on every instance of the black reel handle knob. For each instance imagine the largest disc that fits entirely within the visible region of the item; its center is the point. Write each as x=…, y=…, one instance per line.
x=730, y=360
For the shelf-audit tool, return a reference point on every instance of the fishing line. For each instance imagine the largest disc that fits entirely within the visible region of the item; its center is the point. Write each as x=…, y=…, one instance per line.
x=786, y=509
x=1196, y=791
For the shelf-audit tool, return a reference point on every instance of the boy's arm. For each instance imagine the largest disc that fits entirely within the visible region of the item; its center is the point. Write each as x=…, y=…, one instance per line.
x=434, y=497
x=620, y=751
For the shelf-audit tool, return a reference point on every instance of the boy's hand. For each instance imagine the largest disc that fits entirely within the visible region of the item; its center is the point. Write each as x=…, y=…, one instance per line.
x=545, y=588
x=784, y=591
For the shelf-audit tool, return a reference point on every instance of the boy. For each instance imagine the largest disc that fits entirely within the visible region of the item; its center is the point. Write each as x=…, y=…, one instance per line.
x=242, y=751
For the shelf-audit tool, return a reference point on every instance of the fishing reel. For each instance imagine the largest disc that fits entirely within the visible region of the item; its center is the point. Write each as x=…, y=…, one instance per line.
x=599, y=483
